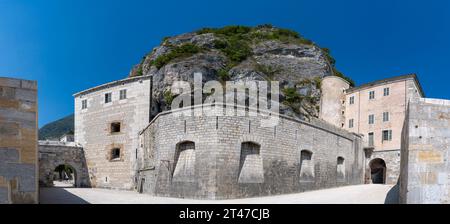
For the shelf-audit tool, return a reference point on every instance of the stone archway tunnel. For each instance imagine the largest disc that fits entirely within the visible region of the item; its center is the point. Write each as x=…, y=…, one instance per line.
x=53, y=154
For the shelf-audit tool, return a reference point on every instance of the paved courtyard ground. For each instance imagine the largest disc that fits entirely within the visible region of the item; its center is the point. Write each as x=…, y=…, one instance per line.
x=358, y=194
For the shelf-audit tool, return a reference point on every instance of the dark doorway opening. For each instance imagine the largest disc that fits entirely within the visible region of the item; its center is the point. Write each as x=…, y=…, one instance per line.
x=64, y=176
x=141, y=188
x=378, y=171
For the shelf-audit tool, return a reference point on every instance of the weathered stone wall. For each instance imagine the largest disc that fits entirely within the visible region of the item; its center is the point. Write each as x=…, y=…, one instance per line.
x=217, y=170
x=55, y=153
x=392, y=160
x=332, y=100
x=93, y=130
x=18, y=141
x=425, y=165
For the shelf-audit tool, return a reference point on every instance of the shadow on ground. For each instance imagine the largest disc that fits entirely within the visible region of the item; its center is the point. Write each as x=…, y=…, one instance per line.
x=58, y=195
x=392, y=196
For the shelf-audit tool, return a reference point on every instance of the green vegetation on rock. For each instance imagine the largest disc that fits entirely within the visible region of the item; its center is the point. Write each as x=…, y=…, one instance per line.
x=348, y=79
x=223, y=74
x=182, y=51
x=249, y=53
x=235, y=41
x=269, y=71
x=168, y=97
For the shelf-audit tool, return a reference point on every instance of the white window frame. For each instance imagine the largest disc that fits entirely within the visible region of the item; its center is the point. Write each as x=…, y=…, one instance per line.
x=84, y=104
x=371, y=119
x=386, y=116
x=352, y=100
x=386, y=91
x=371, y=95
x=110, y=98
x=389, y=135
x=123, y=94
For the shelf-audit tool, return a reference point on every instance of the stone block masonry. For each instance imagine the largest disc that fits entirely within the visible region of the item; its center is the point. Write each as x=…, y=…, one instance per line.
x=108, y=119
x=18, y=141
x=425, y=165
x=55, y=153
x=234, y=157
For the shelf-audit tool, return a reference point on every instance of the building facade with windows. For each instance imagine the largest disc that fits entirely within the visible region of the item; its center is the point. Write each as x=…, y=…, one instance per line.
x=208, y=157
x=377, y=111
x=108, y=119
x=230, y=157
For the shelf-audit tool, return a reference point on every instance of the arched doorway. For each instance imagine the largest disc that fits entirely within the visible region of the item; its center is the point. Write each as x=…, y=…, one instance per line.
x=64, y=176
x=378, y=171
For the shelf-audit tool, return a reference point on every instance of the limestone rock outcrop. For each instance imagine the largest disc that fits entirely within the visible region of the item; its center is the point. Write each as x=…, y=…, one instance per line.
x=242, y=53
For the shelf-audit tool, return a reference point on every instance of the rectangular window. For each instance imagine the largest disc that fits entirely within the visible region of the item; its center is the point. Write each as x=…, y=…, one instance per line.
x=350, y=123
x=108, y=97
x=115, y=154
x=83, y=104
x=386, y=91
x=385, y=116
x=387, y=135
x=352, y=100
x=371, y=95
x=371, y=139
x=371, y=119
x=123, y=94
x=115, y=127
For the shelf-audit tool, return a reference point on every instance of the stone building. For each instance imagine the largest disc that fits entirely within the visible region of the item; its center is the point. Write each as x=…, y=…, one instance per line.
x=18, y=141
x=108, y=119
x=67, y=138
x=357, y=140
x=222, y=157
x=425, y=164
x=377, y=111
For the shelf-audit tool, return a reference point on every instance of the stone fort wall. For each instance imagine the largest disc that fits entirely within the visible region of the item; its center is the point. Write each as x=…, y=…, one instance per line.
x=425, y=167
x=231, y=157
x=55, y=153
x=18, y=141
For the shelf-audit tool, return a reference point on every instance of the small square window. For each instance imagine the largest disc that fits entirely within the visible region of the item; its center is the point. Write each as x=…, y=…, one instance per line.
x=108, y=97
x=123, y=94
x=115, y=154
x=115, y=127
x=386, y=91
x=83, y=104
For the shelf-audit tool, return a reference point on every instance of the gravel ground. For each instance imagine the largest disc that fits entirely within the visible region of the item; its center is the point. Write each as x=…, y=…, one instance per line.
x=358, y=194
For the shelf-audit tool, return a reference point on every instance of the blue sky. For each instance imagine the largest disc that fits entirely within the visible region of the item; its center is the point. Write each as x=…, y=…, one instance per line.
x=68, y=46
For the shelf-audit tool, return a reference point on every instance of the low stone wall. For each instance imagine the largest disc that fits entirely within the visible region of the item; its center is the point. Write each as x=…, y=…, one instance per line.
x=54, y=153
x=425, y=167
x=18, y=141
x=234, y=157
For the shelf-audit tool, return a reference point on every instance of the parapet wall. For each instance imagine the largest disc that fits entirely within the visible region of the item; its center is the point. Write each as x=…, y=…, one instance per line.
x=425, y=165
x=18, y=141
x=224, y=157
